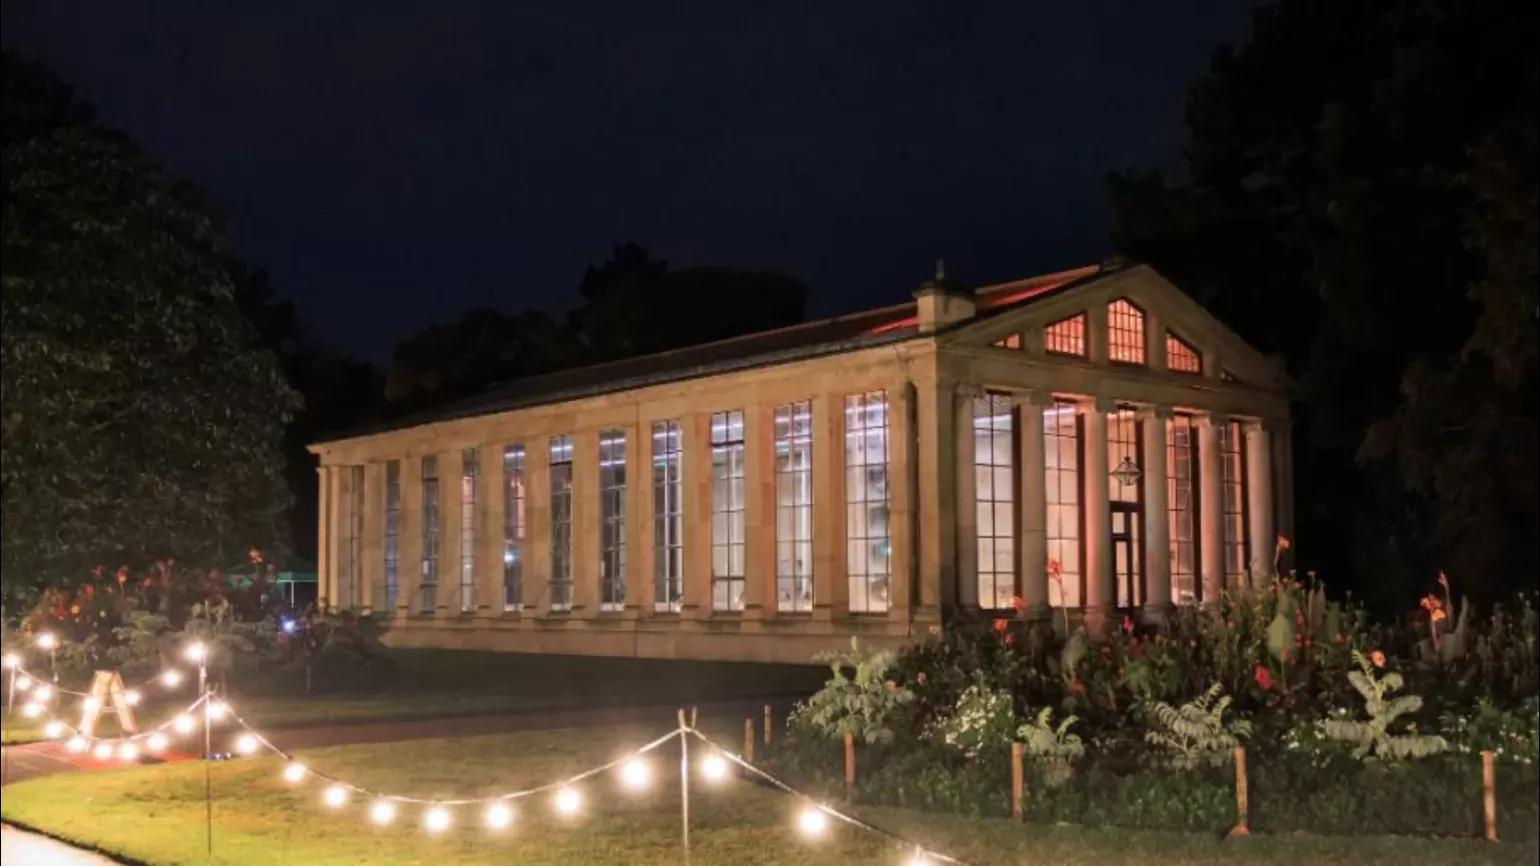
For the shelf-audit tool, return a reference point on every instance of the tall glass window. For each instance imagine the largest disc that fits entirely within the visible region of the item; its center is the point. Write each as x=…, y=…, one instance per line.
x=1126, y=498
x=1061, y=462
x=354, y=540
x=513, y=526
x=1181, y=357
x=1181, y=508
x=561, y=522
x=429, y=589
x=1066, y=336
x=1125, y=332
x=470, y=478
x=612, y=520
x=868, y=534
x=794, y=507
x=1233, y=482
x=995, y=499
x=727, y=502
x=668, y=517
x=392, y=532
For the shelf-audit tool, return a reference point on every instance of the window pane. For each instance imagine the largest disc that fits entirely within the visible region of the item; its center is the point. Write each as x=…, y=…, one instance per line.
x=612, y=520
x=794, y=506
x=866, y=498
x=727, y=541
x=994, y=494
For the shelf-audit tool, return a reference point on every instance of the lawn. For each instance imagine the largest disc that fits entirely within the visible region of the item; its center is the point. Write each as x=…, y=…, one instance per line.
x=15, y=728
x=424, y=683
x=156, y=815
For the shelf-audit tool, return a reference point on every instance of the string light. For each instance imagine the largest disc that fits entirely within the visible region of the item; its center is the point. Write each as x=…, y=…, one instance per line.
x=54, y=729
x=336, y=796
x=12, y=661
x=217, y=709
x=171, y=679
x=245, y=744
x=636, y=774
x=32, y=710
x=919, y=859
x=184, y=724
x=91, y=704
x=131, y=697
x=76, y=744
x=102, y=752
x=436, y=819
x=294, y=772
x=128, y=752
x=47, y=641
x=43, y=692
x=382, y=812
x=23, y=683
x=498, y=816
x=196, y=652
x=813, y=821
x=567, y=802
x=714, y=767
x=156, y=742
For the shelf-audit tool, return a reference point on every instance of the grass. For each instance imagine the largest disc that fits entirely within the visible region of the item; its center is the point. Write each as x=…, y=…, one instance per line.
x=426, y=683
x=15, y=728
x=156, y=815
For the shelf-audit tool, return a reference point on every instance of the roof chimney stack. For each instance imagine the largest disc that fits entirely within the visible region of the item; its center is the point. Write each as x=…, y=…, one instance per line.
x=939, y=303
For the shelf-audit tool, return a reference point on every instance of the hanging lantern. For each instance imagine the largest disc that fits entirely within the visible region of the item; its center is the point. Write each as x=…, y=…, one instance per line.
x=1127, y=473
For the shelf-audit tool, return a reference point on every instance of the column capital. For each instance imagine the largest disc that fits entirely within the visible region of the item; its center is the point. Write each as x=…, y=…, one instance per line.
x=967, y=389
x=1158, y=413
x=1041, y=399
x=1100, y=405
x=1264, y=425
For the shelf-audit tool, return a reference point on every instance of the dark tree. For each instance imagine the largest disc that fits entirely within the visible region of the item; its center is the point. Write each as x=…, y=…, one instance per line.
x=141, y=419
x=1334, y=215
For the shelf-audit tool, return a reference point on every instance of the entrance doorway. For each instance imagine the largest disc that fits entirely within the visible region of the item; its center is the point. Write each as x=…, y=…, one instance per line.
x=1127, y=554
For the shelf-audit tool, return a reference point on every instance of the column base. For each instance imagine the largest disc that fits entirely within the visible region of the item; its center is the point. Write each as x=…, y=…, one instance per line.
x=1098, y=621
x=1156, y=614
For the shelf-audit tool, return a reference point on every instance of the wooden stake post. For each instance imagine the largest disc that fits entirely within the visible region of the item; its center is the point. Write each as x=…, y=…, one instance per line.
x=1242, y=796
x=767, y=724
x=748, y=740
x=850, y=763
x=1489, y=794
x=1016, y=781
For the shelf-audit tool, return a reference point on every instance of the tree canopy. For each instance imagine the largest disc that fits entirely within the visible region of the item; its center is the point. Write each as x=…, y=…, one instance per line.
x=1361, y=200
x=141, y=419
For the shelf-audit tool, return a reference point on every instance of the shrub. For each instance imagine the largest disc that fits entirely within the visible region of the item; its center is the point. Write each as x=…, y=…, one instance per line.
x=1510, y=735
x=1196, y=732
x=982, y=719
x=1041, y=740
x=864, y=703
x=1373, y=738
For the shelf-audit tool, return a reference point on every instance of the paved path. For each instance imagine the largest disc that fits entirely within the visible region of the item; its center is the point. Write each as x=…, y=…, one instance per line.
x=20, y=848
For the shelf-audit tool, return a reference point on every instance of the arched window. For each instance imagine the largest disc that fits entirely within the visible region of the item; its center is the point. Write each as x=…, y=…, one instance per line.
x=1066, y=336
x=1125, y=332
x=1181, y=357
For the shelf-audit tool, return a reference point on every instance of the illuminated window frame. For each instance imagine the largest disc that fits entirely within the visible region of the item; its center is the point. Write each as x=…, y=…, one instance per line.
x=1009, y=341
x=1182, y=356
x=668, y=517
x=428, y=589
x=1125, y=439
x=353, y=541
x=470, y=519
x=392, y=545
x=514, y=524
x=561, y=522
x=1066, y=336
x=1182, y=507
x=994, y=497
x=612, y=520
x=794, y=507
x=868, y=533
x=1237, y=544
x=729, y=552
x=1125, y=333
x=1063, y=436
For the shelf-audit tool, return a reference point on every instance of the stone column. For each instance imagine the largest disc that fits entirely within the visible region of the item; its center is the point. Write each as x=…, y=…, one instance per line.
x=1033, y=512
x=373, y=590
x=695, y=435
x=536, y=597
x=1157, y=522
x=901, y=504
x=336, y=561
x=759, y=512
x=1259, y=497
x=489, y=540
x=936, y=484
x=831, y=585
x=586, y=515
x=1101, y=595
x=1211, y=510
x=327, y=591
x=965, y=507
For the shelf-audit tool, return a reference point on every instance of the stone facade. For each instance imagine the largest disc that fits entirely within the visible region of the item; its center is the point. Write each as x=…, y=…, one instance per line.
x=931, y=365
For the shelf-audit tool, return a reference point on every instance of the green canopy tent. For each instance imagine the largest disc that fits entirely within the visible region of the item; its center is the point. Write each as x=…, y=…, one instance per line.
x=297, y=580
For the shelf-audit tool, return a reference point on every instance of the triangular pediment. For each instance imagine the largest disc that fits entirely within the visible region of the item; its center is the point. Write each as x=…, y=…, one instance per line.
x=1200, y=344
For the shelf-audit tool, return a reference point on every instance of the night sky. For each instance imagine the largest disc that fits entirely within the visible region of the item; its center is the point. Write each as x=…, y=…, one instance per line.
x=398, y=166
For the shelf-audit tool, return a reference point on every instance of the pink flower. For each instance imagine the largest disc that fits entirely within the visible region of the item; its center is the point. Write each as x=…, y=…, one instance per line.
x=1264, y=677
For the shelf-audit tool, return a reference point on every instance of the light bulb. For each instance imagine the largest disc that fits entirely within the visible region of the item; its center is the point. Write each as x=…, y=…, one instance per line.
x=217, y=709
x=568, y=801
x=382, y=812
x=131, y=697
x=47, y=641
x=102, y=752
x=12, y=660
x=43, y=692
x=91, y=703
x=23, y=683
x=171, y=679
x=54, y=729
x=129, y=752
x=184, y=724
x=635, y=774
x=76, y=744
x=336, y=796
x=32, y=710
x=813, y=821
x=196, y=652
x=919, y=859
x=156, y=743
x=245, y=744
x=714, y=767
x=498, y=816
x=436, y=819
x=294, y=773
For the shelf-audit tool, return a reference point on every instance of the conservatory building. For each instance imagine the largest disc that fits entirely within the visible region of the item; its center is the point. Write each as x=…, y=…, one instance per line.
x=1091, y=440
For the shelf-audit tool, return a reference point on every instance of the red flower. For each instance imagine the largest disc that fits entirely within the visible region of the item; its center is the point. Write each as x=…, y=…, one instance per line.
x=1264, y=677
x=1128, y=625
x=1010, y=639
x=1283, y=542
x=97, y=571
x=1017, y=602
x=1001, y=625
